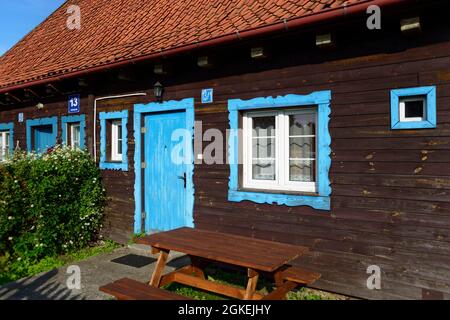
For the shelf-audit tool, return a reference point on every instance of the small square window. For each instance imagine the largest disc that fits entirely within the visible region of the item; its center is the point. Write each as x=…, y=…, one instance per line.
x=413, y=108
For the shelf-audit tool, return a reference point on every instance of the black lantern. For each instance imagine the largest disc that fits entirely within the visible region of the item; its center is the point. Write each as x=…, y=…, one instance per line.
x=158, y=90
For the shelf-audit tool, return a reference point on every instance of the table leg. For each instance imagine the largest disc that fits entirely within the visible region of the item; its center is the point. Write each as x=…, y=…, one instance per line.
x=278, y=276
x=253, y=277
x=159, y=268
x=197, y=266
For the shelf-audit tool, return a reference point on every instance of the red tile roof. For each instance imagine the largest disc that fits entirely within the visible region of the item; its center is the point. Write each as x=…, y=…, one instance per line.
x=115, y=31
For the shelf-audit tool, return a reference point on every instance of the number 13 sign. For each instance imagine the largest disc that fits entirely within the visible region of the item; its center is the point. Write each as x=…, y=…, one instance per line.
x=74, y=103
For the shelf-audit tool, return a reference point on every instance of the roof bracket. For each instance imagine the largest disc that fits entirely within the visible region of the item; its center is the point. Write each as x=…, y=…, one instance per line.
x=9, y=96
x=286, y=27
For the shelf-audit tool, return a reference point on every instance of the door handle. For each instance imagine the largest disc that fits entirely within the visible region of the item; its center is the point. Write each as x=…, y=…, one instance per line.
x=183, y=177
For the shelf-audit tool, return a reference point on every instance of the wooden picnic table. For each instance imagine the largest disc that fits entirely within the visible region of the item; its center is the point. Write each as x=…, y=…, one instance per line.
x=257, y=256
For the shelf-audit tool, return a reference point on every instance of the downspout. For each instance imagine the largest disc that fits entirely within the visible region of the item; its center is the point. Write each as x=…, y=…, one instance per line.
x=283, y=25
x=94, y=126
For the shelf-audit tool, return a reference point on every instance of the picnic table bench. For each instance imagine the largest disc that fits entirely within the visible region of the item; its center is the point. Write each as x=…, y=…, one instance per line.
x=255, y=255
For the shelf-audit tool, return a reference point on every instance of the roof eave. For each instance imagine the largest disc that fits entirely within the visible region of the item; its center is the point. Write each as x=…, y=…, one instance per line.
x=283, y=25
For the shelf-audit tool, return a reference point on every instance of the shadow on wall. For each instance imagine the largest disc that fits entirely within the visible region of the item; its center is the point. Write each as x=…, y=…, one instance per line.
x=42, y=287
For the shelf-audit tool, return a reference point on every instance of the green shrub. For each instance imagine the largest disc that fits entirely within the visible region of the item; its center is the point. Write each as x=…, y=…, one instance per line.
x=50, y=204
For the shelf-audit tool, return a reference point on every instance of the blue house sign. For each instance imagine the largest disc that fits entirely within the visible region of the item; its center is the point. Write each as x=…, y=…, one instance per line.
x=74, y=103
x=207, y=95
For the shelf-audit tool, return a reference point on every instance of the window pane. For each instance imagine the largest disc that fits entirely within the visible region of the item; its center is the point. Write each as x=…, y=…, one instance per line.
x=414, y=109
x=302, y=148
x=302, y=170
x=264, y=126
x=302, y=124
x=119, y=147
x=263, y=148
x=119, y=131
x=7, y=146
x=2, y=146
x=119, y=139
x=263, y=169
x=76, y=136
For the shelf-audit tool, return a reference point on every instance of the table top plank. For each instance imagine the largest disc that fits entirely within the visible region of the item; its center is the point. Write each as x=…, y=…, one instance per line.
x=214, y=241
x=262, y=255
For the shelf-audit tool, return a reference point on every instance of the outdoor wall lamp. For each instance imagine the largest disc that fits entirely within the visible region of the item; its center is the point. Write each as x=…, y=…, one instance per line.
x=158, y=90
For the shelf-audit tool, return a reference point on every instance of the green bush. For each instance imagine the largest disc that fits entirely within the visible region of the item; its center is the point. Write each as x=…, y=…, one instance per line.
x=50, y=204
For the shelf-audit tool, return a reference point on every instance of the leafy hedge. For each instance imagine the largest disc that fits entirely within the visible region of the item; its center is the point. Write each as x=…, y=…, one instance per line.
x=50, y=204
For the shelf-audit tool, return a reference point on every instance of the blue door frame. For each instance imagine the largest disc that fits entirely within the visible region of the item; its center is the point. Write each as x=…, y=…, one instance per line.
x=186, y=106
x=41, y=134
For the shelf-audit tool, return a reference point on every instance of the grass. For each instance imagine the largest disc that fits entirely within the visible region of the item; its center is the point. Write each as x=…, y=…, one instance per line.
x=239, y=280
x=135, y=237
x=50, y=263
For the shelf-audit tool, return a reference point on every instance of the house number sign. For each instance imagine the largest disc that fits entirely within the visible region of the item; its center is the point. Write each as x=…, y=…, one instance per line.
x=74, y=103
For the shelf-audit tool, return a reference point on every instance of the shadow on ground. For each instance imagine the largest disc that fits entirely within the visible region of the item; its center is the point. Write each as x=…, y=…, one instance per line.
x=42, y=287
x=137, y=264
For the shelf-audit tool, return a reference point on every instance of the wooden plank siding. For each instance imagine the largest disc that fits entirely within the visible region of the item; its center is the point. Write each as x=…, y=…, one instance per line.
x=390, y=200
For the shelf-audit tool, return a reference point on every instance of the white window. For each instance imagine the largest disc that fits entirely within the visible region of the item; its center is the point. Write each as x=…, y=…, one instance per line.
x=74, y=132
x=116, y=140
x=413, y=109
x=279, y=150
x=4, y=145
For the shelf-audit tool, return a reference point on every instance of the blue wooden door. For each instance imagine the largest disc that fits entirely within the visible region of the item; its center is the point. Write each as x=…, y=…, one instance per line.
x=165, y=179
x=43, y=138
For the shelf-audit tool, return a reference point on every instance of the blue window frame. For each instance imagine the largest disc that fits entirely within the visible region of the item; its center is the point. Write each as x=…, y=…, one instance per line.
x=48, y=135
x=70, y=120
x=422, y=103
x=321, y=198
x=6, y=133
x=106, y=163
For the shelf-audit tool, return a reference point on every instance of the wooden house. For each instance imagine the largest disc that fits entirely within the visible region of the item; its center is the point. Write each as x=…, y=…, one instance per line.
x=319, y=123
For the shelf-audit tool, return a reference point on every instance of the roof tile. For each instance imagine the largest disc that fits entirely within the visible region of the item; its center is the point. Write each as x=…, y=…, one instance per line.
x=117, y=30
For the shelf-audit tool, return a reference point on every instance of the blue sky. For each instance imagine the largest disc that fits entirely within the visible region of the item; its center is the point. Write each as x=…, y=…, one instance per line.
x=18, y=17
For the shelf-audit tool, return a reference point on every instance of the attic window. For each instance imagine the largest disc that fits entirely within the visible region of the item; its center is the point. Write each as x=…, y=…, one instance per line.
x=413, y=108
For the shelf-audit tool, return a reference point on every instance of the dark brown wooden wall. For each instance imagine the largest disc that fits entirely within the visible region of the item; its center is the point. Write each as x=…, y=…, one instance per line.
x=390, y=198
x=390, y=189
